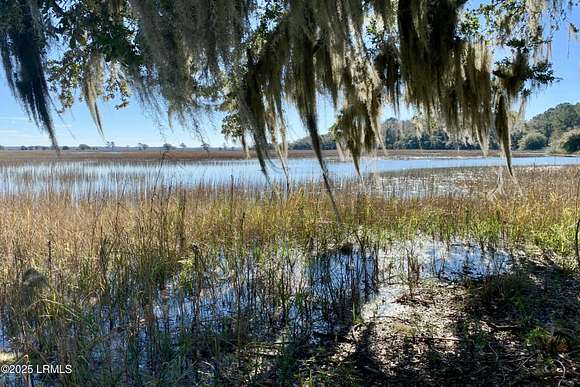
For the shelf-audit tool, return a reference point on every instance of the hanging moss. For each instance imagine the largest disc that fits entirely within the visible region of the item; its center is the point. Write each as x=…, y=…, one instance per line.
x=22, y=48
x=186, y=56
x=92, y=79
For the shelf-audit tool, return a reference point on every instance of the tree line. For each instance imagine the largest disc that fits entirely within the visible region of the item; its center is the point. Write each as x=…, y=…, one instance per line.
x=557, y=128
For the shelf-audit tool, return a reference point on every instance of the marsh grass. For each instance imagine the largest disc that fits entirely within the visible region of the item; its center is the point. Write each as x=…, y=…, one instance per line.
x=228, y=284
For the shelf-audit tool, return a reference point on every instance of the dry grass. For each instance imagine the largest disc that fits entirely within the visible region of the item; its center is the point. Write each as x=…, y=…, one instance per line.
x=200, y=284
x=194, y=155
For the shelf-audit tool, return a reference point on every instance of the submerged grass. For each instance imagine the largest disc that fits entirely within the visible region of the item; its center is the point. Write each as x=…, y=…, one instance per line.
x=228, y=284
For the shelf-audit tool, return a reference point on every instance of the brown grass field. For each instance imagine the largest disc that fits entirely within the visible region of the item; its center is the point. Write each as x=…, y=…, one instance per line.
x=200, y=155
x=231, y=284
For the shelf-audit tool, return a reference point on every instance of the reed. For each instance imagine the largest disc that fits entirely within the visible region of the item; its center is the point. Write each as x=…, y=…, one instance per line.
x=227, y=284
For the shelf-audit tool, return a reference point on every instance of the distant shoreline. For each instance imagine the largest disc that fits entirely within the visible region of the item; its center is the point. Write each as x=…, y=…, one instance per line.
x=201, y=155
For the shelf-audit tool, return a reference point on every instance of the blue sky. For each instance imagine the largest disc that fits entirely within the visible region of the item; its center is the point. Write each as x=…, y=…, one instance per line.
x=132, y=125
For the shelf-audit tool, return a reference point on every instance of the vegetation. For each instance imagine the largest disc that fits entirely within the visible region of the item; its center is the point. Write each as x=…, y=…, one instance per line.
x=230, y=285
x=537, y=133
x=425, y=277
x=533, y=141
x=553, y=126
x=555, y=122
x=570, y=141
x=402, y=134
x=326, y=143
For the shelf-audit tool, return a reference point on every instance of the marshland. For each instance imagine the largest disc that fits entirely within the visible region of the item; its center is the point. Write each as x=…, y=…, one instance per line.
x=381, y=249
x=229, y=281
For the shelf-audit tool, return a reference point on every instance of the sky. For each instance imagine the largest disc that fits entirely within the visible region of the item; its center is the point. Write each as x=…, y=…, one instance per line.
x=133, y=124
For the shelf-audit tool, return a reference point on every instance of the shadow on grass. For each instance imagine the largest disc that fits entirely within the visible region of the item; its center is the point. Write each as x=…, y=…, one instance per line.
x=516, y=329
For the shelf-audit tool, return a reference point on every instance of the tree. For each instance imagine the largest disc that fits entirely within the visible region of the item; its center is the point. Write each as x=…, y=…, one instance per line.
x=142, y=146
x=408, y=141
x=326, y=142
x=167, y=146
x=260, y=56
x=232, y=128
x=533, y=141
x=555, y=121
x=84, y=147
x=570, y=142
x=183, y=145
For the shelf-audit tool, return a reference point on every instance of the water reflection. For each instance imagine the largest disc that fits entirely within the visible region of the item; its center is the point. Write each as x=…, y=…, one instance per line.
x=81, y=177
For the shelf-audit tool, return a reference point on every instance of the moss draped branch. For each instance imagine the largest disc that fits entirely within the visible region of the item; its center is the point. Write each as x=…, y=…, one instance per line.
x=186, y=56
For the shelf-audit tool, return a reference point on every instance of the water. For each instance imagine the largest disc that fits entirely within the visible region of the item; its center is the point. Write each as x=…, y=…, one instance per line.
x=315, y=299
x=454, y=261
x=320, y=293
x=314, y=296
x=99, y=176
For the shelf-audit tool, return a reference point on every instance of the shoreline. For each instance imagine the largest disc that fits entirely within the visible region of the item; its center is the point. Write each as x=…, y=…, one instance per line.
x=200, y=155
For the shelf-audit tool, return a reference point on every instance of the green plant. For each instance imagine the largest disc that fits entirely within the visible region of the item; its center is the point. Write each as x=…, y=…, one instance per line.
x=547, y=340
x=570, y=141
x=533, y=141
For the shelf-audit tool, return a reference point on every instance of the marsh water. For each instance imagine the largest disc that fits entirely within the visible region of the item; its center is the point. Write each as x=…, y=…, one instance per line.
x=122, y=177
x=272, y=297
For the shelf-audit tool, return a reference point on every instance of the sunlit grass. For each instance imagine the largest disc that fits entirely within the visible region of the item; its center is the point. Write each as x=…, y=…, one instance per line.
x=212, y=283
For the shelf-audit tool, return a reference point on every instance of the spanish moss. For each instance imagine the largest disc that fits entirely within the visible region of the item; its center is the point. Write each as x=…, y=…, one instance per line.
x=185, y=57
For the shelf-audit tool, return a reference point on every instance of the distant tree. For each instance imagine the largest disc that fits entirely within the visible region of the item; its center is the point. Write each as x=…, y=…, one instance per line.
x=516, y=137
x=408, y=141
x=570, y=142
x=168, y=146
x=232, y=128
x=326, y=142
x=111, y=144
x=555, y=121
x=437, y=139
x=533, y=141
x=392, y=129
x=65, y=147
x=142, y=146
x=84, y=147
x=421, y=133
x=182, y=145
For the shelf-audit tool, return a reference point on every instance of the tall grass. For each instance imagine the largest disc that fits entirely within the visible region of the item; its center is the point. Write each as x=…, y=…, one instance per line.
x=224, y=283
